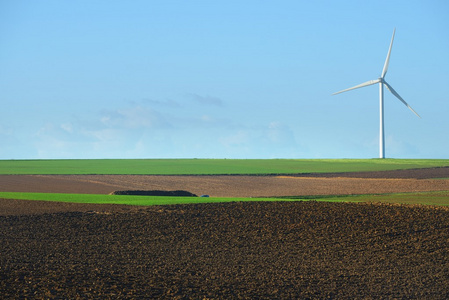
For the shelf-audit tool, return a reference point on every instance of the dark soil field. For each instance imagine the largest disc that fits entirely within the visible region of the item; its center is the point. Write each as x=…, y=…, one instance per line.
x=262, y=250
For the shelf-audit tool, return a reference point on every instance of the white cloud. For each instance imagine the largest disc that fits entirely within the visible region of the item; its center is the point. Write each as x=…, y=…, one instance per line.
x=11, y=146
x=67, y=127
x=206, y=118
x=6, y=130
x=279, y=133
x=238, y=138
x=53, y=141
x=162, y=103
x=398, y=148
x=134, y=117
x=106, y=135
x=206, y=100
x=140, y=131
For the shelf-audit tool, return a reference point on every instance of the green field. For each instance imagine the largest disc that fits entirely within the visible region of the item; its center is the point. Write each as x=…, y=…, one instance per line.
x=211, y=166
x=123, y=199
x=425, y=198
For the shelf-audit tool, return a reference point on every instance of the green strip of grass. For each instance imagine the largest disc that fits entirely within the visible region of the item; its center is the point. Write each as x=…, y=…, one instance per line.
x=440, y=198
x=211, y=166
x=124, y=199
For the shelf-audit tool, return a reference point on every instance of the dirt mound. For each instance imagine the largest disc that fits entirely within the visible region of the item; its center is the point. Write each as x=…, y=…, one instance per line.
x=282, y=250
x=177, y=193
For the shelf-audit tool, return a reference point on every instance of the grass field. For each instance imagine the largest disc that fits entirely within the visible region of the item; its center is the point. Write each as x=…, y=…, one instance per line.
x=211, y=166
x=425, y=198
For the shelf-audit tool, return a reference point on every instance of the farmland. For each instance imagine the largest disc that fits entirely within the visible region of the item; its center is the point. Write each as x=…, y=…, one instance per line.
x=238, y=250
x=291, y=233
x=211, y=166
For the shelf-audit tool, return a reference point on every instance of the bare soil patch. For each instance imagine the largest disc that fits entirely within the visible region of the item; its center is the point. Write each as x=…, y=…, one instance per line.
x=286, y=250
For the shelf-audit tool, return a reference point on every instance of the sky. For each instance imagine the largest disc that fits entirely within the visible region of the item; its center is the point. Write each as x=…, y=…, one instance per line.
x=221, y=79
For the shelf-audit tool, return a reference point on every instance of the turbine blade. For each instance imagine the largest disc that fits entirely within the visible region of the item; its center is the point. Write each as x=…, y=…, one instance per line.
x=387, y=61
x=371, y=82
x=391, y=89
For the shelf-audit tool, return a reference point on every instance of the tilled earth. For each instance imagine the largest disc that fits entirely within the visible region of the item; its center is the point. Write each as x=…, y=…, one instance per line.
x=235, y=250
x=238, y=186
x=278, y=250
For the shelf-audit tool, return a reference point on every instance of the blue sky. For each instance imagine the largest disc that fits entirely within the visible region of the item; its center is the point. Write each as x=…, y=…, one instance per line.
x=221, y=79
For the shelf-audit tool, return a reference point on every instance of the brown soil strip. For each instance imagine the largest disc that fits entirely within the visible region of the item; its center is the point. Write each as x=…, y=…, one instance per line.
x=217, y=186
x=52, y=184
x=12, y=207
x=425, y=173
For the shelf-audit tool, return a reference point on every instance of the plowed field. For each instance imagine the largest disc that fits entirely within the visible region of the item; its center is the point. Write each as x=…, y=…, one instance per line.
x=237, y=186
x=279, y=250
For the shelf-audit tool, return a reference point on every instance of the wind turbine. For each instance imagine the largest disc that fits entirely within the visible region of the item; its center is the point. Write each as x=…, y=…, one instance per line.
x=381, y=81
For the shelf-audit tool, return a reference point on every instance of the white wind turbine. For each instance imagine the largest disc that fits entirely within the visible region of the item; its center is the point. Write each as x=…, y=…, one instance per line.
x=382, y=82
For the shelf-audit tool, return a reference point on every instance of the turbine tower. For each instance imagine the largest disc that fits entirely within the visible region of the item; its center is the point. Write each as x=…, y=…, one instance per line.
x=382, y=82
